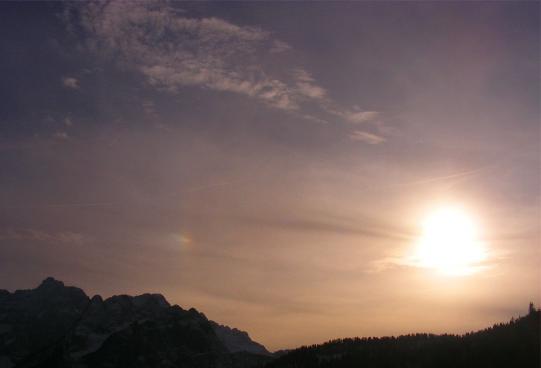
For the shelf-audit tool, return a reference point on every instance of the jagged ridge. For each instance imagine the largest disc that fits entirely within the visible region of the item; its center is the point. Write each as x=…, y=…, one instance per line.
x=236, y=340
x=58, y=326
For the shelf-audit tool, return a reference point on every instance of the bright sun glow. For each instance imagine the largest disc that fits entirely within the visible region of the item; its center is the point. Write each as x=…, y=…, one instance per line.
x=450, y=243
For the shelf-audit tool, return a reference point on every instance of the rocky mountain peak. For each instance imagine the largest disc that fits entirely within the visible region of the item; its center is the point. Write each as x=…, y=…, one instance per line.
x=156, y=300
x=61, y=325
x=51, y=283
x=237, y=340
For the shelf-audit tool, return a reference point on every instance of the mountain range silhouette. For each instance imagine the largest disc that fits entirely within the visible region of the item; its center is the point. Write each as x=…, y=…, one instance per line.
x=55, y=325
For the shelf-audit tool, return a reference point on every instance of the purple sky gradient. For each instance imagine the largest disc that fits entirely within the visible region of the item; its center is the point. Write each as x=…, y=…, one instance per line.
x=270, y=163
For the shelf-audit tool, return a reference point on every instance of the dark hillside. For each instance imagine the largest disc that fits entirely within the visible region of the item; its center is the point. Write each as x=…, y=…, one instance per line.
x=55, y=326
x=513, y=344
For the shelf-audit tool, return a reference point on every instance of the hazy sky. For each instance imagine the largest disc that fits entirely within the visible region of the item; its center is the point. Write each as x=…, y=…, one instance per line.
x=271, y=163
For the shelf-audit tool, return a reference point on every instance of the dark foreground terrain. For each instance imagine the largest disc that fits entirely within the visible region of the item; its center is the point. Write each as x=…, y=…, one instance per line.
x=513, y=344
x=58, y=326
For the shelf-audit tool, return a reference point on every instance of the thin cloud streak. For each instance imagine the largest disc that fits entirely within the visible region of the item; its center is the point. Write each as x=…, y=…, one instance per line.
x=372, y=229
x=67, y=237
x=366, y=137
x=111, y=204
x=457, y=175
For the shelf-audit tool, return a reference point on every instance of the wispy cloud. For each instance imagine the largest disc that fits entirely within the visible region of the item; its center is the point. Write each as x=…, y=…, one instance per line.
x=70, y=82
x=279, y=47
x=355, y=115
x=43, y=236
x=366, y=137
x=359, y=116
x=172, y=50
x=365, y=227
x=306, y=85
x=61, y=136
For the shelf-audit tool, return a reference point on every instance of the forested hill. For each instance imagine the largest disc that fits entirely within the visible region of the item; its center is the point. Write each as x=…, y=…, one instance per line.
x=513, y=344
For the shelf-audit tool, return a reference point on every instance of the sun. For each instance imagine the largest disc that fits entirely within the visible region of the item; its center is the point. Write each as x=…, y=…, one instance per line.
x=449, y=243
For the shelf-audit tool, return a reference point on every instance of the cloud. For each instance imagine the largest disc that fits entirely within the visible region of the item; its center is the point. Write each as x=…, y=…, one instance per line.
x=307, y=87
x=366, y=137
x=61, y=136
x=279, y=47
x=385, y=264
x=70, y=82
x=173, y=50
x=360, y=116
x=393, y=262
x=366, y=227
x=355, y=115
x=42, y=236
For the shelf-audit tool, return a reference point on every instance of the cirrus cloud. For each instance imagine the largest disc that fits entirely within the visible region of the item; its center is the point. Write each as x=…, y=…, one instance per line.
x=366, y=137
x=172, y=51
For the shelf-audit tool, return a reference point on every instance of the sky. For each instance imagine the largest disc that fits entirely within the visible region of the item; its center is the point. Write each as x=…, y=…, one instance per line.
x=271, y=164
